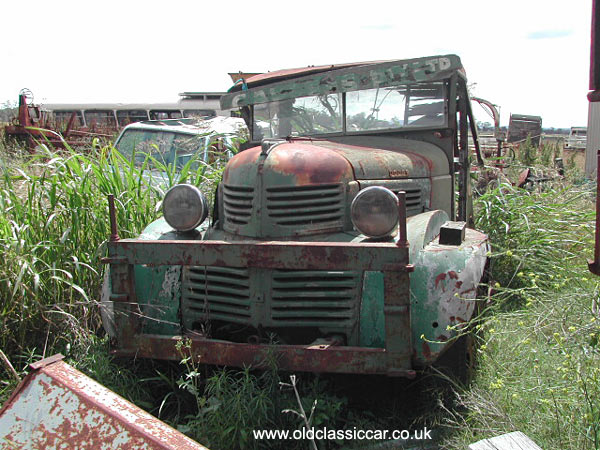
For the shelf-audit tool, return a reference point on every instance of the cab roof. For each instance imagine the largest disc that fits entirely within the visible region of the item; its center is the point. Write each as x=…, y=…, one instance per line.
x=337, y=78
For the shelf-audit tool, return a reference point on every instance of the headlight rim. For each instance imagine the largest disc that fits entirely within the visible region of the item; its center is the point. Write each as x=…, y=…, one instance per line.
x=395, y=211
x=202, y=208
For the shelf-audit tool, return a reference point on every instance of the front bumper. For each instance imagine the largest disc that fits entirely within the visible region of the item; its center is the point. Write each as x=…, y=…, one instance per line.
x=389, y=258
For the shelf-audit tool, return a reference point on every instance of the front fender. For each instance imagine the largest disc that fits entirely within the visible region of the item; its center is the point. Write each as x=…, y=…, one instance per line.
x=443, y=291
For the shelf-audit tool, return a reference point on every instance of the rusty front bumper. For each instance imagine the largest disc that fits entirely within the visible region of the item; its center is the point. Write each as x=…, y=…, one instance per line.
x=389, y=258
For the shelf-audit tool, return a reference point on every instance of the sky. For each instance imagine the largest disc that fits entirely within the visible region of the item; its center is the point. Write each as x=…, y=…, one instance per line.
x=528, y=57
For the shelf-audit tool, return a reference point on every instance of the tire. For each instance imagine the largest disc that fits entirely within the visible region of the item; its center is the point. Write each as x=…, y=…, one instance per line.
x=458, y=362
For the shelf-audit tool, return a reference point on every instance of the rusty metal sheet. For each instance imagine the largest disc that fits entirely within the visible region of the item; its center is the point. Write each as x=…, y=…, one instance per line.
x=57, y=407
x=521, y=126
x=278, y=75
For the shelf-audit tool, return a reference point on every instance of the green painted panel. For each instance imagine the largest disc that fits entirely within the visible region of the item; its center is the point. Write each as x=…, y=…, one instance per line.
x=372, y=322
x=158, y=292
x=158, y=288
x=443, y=291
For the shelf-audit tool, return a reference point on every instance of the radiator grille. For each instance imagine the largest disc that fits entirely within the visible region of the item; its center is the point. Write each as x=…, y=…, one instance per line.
x=237, y=204
x=414, y=204
x=315, y=298
x=305, y=205
x=225, y=290
x=298, y=298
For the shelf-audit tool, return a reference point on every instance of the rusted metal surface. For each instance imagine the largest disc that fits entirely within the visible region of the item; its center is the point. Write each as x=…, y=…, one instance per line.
x=595, y=49
x=278, y=75
x=268, y=255
x=444, y=287
x=306, y=358
x=520, y=127
x=593, y=125
x=389, y=257
x=57, y=407
x=241, y=76
x=524, y=177
x=308, y=163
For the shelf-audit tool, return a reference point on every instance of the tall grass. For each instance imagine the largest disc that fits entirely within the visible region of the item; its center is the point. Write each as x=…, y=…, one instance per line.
x=539, y=357
x=53, y=231
x=539, y=352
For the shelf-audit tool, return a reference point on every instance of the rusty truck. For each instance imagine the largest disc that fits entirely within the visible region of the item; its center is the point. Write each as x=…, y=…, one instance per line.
x=338, y=242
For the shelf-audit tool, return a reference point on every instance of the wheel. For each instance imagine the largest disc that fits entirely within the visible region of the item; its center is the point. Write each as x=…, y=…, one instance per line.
x=458, y=362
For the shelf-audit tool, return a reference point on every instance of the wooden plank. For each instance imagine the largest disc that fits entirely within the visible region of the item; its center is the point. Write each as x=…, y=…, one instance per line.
x=510, y=441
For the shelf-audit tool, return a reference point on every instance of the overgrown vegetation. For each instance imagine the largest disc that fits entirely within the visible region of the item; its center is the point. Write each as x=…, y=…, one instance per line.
x=52, y=234
x=539, y=358
x=539, y=355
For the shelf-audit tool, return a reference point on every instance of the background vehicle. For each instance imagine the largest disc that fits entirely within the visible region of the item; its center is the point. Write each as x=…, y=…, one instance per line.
x=333, y=245
x=521, y=126
x=175, y=141
x=117, y=115
x=577, y=138
x=77, y=123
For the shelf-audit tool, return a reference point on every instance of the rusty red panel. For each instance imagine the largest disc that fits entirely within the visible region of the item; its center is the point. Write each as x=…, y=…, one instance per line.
x=285, y=73
x=595, y=49
x=306, y=358
x=57, y=407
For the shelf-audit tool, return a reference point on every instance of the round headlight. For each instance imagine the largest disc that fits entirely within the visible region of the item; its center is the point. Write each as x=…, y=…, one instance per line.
x=184, y=207
x=374, y=211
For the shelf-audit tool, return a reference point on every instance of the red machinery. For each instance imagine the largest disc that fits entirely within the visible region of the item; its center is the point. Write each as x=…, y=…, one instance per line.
x=33, y=126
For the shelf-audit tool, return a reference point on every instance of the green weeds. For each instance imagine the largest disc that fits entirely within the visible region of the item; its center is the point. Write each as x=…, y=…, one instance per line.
x=53, y=229
x=538, y=355
x=539, y=358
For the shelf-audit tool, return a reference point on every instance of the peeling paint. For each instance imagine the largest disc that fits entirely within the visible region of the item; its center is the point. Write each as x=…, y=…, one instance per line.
x=57, y=407
x=171, y=282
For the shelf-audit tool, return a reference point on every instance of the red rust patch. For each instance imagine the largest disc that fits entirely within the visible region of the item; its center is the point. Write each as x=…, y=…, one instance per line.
x=309, y=163
x=245, y=158
x=440, y=277
x=426, y=351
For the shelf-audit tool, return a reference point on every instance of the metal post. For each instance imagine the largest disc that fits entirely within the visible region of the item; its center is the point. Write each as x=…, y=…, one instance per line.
x=114, y=236
x=402, y=237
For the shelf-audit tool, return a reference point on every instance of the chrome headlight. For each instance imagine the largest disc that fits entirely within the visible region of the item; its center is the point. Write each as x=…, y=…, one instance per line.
x=184, y=207
x=374, y=211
